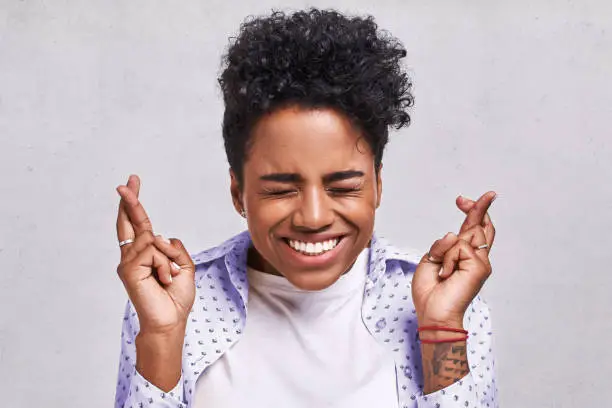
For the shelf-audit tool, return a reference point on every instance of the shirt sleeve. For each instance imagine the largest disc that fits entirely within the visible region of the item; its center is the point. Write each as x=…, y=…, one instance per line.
x=133, y=390
x=478, y=388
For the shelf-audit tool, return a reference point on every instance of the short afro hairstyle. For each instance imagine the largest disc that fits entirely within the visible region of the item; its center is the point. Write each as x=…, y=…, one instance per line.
x=313, y=59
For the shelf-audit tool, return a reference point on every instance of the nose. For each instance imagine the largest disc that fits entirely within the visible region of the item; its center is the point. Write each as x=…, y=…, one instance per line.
x=314, y=212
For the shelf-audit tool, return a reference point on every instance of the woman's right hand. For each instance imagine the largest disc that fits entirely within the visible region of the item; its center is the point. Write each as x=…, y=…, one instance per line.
x=162, y=293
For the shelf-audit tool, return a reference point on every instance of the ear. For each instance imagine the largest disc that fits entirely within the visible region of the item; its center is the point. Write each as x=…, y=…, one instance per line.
x=236, y=191
x=379, y=185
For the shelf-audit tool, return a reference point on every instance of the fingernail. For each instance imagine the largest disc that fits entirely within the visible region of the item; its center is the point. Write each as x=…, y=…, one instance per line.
x=441, y=272
x=175, y=266
x=170, y=278
x=494, y=197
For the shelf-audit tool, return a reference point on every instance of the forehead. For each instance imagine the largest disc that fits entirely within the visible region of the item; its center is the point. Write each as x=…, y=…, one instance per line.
x=306, y=141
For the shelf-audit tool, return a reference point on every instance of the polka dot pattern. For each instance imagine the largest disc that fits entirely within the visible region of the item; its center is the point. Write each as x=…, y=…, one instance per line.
x=219, y=314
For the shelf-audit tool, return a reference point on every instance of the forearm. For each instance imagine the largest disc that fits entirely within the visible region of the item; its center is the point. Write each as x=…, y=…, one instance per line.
x=159, y=358
x=443, y=363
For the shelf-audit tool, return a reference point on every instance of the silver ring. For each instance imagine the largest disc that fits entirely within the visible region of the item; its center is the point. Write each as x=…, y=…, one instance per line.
x=483, y=246
x=127, y=241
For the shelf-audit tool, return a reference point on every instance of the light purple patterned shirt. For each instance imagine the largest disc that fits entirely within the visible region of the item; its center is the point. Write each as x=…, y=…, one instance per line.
x=219, y=315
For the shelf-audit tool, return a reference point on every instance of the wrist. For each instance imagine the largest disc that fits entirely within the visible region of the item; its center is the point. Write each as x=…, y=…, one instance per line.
x=165, y=342
x=165, y=332
x=454, y=321
x=159, y=357
x=451, y=324
x=432, y=333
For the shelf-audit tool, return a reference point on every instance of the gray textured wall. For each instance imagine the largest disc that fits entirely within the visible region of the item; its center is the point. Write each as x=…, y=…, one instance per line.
x=511, y=96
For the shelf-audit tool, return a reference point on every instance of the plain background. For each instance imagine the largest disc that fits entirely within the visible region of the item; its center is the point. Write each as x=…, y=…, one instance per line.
x=510, y=96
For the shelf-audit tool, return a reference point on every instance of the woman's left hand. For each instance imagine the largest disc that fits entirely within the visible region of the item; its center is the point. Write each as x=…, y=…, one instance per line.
x=454, y=270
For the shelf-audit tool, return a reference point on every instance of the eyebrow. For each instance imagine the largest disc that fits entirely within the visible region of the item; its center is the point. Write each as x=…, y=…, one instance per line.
x=296, y=178
x=342, y=175
x=282, y=177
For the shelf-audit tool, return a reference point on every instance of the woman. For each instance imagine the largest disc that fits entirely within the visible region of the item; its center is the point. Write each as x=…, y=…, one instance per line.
x=307, y=308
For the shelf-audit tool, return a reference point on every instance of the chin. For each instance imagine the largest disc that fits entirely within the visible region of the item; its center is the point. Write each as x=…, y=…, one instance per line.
x=313, y=281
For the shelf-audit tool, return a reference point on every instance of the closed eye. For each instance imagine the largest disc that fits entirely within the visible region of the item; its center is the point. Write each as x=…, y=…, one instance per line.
x=343, y=191
x=278, y=192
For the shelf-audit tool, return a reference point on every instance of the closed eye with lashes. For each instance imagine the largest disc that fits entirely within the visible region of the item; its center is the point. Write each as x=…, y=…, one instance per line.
x=343, y=190
x=334, y=191
x=278, y=192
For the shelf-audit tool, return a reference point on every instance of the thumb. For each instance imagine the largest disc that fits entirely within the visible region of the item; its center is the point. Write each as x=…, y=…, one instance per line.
x=431, y=263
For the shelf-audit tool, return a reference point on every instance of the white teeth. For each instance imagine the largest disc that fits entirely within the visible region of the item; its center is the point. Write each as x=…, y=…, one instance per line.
x=314, y=248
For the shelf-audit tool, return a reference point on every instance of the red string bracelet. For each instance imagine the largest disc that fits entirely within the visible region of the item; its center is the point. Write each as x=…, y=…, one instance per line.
x=448, y=329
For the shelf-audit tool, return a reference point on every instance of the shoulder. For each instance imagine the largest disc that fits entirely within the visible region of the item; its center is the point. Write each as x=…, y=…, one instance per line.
x=406, y=258
x=207, y=256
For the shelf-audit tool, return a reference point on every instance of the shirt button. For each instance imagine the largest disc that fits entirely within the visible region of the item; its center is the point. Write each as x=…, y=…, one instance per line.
x=381, y=324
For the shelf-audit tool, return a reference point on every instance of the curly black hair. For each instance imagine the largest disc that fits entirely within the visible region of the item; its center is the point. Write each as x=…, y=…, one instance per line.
x=313, y=59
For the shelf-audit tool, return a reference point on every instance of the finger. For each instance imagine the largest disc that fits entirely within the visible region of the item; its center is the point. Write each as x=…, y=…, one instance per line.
x=465, y=205
x=143, y=265
x=476, y=237
x=135, y=211
x=124, y=226
x=467, y=260
x=436, y=253
x=183, y=259
x=172, y=252
x=134, y=184
x=141, y=242
x=489, y=230
x=475, y=215
x=162, y=266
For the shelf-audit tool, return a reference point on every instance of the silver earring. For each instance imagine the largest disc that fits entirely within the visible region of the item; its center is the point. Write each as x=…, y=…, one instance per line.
x=243, y=213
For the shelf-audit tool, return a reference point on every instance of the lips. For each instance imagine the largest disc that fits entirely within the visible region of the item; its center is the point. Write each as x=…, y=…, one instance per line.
x=312, y=252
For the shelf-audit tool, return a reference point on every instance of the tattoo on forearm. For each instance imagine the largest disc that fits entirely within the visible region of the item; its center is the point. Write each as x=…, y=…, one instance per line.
x=443, y=365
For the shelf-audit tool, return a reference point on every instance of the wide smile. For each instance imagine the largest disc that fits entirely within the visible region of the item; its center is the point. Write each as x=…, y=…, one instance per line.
x=313, y=248
x=313, y=254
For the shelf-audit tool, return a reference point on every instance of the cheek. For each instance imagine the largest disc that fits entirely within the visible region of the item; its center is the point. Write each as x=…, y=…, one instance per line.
x=367, y=204
x=359, y=213
x=363, y=205
x=266, y=213
x=363, y=213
